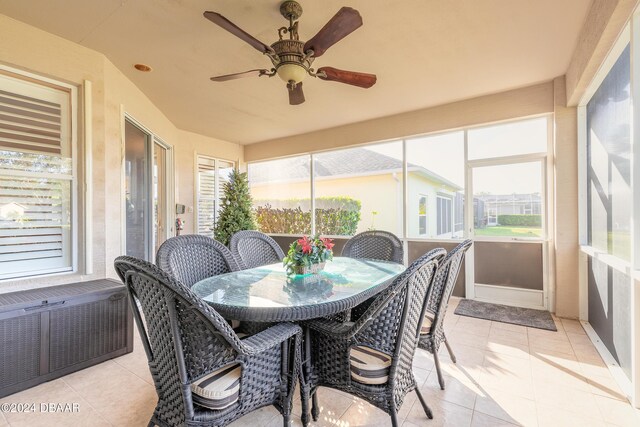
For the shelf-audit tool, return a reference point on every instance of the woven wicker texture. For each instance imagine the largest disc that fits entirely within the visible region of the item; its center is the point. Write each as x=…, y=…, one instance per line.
x=254, y=249
x=391, y=325
x=438, y=300
x=191, y=258
x=185, y=339
x=375, y=244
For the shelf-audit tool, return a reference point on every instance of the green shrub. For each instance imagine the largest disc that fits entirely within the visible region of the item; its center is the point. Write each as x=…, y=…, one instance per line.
x=334, y=216
x=521, y=220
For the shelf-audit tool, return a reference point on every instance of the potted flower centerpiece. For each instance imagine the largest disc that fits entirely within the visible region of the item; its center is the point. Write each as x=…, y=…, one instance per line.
x=308, y=255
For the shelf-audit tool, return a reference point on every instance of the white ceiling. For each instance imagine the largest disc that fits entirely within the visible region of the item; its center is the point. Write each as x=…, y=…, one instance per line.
x=424, y=52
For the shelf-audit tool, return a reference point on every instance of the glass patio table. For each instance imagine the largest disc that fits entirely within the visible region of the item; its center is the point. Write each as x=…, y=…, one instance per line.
x=268, y=294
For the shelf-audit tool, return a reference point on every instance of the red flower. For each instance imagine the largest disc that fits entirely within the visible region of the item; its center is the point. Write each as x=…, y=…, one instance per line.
x=305, y=244
x=327, y=243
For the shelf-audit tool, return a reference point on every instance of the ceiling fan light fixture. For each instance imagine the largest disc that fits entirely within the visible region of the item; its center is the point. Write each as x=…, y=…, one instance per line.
x=291, y=72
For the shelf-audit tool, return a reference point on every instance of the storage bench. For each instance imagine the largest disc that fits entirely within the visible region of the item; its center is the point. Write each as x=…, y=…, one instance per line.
x=46, y=333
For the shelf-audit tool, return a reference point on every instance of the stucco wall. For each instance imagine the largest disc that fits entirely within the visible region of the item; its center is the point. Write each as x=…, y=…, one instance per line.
x=30, y=49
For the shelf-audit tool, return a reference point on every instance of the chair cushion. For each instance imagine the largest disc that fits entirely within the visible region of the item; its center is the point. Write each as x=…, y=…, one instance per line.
x=426, y=324
x=218, y=389
x=369, y=366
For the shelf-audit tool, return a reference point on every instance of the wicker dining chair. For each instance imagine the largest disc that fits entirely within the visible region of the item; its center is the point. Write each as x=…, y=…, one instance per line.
x=432, y=331
x=376, y=244
x=372, y=357
x=191, y=258
x=203, y=373
x=254, y=249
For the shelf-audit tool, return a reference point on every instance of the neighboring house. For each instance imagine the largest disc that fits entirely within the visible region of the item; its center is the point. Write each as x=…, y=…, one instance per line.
x=375, y=179
x=494, y=205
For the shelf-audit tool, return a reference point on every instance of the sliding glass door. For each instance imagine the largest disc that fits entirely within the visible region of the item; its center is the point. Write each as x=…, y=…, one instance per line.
x=147, y=201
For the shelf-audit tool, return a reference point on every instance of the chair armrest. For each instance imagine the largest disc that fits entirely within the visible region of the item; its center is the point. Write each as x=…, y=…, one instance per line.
x=332, y=328
x=268, y=338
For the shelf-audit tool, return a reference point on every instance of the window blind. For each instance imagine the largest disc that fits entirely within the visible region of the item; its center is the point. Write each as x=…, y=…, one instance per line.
x=36, y=178
x=206, y=196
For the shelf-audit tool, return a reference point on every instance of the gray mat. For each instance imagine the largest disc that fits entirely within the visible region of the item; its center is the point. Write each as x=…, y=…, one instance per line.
x=506, y=314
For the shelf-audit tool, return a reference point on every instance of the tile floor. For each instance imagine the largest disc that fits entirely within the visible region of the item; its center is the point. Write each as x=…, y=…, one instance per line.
x=506, y=375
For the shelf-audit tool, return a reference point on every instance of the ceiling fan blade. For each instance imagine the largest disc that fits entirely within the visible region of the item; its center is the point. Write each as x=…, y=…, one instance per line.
x=296, y=96
x=343, y=23
x=223, y=22
x=234, y=76
x=354, y=78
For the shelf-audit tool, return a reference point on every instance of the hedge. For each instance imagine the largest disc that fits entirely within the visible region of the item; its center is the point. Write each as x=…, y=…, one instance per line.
x=334, y=216
x=521, y=220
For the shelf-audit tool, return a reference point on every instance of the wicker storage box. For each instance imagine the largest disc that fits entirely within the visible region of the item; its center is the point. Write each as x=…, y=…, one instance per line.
x=49, y=332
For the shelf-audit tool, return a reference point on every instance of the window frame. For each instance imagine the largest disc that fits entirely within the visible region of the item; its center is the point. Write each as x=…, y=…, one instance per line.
x=217, y=187
x=75, y=219
x=425, y=215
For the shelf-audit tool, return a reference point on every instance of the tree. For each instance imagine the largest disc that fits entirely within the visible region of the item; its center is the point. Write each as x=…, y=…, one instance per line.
x=237, y=212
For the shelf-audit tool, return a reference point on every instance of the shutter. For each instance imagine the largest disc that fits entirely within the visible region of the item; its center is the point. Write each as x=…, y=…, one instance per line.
x=31, y=117
x=35, y=178
x=206, y=196
x=34, y=224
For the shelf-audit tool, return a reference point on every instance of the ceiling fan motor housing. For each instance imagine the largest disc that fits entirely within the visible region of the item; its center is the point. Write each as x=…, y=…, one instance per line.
x=291, y=59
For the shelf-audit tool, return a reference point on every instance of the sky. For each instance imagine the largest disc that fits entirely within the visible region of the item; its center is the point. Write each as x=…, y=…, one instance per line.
x=444, y=155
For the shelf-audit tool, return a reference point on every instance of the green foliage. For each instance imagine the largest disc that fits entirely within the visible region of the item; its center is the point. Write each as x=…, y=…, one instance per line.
x=236, y=213
x=307, y=251
x=334, y=216
x=521, y=220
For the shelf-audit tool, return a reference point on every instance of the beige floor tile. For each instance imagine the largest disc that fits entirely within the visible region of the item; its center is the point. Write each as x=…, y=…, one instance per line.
x=78, y=413
x=566, y=398
x=3, y=420
x=579, y=339
x=362, y=414
x=468, y=339
x=264, y=416
x=333, y=404
x=551, y=416
x=137, y=364
x=444, y=414
x=551, y=346
x=118, y=395
x=509, y=327
x=507, y=383
x=423, y=359
x=479, y=329
x=505, y=406
x=483, y=420
x=594, y=368
x=462, y=393
x=501, y=346
x=543, y=334
x=420, y=375
x=606, y=387
x=508, y=336
x=573, y=327
x=587, y=353
x=473, y=321
x=408, y=424
x=617, y=412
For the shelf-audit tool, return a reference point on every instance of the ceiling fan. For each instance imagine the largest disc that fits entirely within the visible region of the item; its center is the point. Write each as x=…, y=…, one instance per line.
x=292, y=58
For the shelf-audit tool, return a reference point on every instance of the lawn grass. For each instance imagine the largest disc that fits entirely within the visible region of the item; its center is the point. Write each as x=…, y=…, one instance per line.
x=509, y=231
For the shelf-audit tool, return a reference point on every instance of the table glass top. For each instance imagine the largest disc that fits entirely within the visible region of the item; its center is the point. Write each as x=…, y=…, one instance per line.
x=270, y=287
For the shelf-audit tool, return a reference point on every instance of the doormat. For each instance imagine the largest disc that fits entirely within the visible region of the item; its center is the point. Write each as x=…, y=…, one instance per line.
x=540, y=319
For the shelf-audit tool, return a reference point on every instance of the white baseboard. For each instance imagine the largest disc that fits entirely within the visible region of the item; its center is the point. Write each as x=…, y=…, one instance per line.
x=616, y=371
x=527, y=298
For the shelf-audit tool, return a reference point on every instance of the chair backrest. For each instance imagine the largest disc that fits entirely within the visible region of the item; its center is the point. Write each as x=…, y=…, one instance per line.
x=182, y=336
x=443, y=284
x=392, y=321
x=254, y=249
x=191, y=258
x=376, y=244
